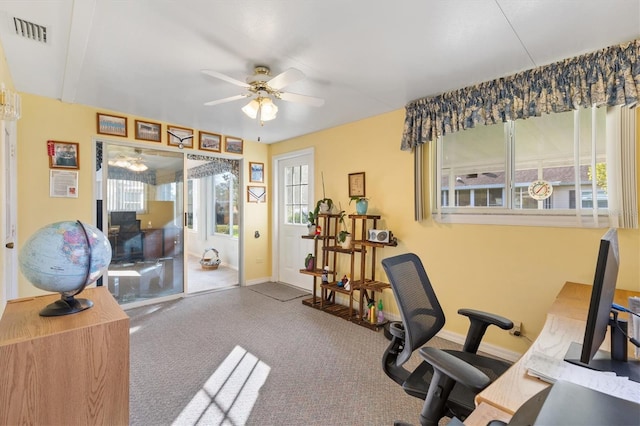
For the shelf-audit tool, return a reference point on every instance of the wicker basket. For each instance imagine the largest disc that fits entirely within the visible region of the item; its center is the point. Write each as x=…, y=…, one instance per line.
x=209, y=262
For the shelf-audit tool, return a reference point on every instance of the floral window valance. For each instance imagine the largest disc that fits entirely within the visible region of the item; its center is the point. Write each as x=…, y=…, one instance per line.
x=610, y=76
x=214, y=166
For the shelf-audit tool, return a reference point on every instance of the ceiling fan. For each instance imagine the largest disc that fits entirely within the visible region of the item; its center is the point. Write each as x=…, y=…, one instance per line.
x=262, y=87
x=134, y=163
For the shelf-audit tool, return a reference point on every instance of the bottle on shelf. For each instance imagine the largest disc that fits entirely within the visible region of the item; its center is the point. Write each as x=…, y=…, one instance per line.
x=325, y=275
x=380, y=313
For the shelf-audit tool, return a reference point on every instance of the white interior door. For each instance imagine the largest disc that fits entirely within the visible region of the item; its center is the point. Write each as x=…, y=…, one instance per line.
x=9, y=200
x=294, y=183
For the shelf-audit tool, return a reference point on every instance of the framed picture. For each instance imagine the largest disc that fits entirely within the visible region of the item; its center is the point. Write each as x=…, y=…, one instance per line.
x=210, y=141
x=112, y=125
x=63, y=155
x=256, y=172
x=146, y=131
x=256, y=194
x=233, y=145
x=356, y=184
x=63, y=183
x=180, y=137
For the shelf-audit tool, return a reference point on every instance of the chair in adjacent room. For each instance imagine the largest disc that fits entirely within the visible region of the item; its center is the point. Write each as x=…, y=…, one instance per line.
x=459, y=375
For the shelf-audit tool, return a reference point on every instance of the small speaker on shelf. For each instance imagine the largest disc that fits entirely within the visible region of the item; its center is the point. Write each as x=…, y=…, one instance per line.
x=379, y=235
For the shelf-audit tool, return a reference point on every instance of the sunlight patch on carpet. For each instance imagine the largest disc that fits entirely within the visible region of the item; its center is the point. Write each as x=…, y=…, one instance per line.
x=229, y=394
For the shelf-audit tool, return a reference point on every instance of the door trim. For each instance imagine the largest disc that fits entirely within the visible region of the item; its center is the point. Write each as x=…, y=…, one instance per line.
x=275, y=242
x=9, y=205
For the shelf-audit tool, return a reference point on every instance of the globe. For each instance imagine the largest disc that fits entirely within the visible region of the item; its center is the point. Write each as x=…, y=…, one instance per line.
x=65, y=257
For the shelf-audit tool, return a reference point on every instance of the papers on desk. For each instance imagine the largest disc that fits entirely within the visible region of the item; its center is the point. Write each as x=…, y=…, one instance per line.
x=551, y=369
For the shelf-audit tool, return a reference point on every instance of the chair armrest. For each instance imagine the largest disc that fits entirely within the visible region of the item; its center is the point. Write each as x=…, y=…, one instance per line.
x=455, y=368
x=479, y=322
x=447, y=371
x=397, y=329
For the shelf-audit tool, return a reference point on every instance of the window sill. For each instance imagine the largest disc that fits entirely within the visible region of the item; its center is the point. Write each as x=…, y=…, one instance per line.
x=524, y=219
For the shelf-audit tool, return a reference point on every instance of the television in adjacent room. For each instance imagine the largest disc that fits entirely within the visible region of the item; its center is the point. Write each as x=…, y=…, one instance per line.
x=600, y=318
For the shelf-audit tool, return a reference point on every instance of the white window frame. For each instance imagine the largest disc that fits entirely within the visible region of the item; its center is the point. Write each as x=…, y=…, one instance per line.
x=578, y=217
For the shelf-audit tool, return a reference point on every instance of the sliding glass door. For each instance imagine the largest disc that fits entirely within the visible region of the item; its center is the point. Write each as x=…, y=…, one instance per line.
x=139, y=193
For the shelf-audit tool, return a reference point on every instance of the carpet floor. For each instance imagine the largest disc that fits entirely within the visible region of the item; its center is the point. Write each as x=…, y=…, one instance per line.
x=238, y=357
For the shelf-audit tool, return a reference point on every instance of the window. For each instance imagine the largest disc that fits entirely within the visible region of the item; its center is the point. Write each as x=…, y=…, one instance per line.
x=225, y=204
x=296, y=185
x=193, y=195
x=126, y=195
x=482, y=175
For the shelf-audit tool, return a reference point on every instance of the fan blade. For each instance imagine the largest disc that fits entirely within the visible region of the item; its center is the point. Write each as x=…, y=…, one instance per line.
x=285, y=78
x=225, y=78
x=229, y=99
x=303, y=99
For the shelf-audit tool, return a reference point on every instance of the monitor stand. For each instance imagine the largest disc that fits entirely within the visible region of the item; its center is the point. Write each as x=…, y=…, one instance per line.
x=615, y=361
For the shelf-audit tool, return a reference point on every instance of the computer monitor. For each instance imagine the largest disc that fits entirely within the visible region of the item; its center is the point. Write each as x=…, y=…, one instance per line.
x=599, y=318
x=122, y=217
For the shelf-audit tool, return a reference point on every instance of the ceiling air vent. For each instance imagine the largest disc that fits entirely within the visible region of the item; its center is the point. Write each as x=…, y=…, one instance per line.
x=30, y=30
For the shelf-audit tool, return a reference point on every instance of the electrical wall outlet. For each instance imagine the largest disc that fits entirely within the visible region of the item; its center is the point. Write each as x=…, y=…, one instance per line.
x=517, y=329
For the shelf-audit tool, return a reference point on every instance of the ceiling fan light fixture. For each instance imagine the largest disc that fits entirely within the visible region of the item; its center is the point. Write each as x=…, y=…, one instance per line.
x=137, y=167
x=251, y=109
x=268, y=109
x=120, y=162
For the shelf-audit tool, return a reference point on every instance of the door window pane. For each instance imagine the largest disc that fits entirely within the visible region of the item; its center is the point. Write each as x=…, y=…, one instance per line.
x=296, y=193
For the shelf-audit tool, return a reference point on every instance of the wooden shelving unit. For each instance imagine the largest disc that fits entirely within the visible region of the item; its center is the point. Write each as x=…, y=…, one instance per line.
x=328, y=225
x=362, y=279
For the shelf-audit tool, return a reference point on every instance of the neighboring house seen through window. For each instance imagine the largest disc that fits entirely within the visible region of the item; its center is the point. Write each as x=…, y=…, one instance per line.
x=487, y=174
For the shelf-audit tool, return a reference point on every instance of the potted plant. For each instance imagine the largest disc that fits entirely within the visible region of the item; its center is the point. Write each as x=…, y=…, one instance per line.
x=324, y=205
x=362, y=204
x=311, y=223
x=344, y=236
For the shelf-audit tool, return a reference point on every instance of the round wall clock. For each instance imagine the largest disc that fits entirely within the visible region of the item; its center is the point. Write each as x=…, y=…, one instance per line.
x=540, y=189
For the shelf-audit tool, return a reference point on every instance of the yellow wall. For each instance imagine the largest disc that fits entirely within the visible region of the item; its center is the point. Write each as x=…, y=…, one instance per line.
x=515, y=271
x=48, y=119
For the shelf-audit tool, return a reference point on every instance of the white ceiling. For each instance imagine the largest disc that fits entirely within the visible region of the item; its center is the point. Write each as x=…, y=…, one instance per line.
x=364, y=57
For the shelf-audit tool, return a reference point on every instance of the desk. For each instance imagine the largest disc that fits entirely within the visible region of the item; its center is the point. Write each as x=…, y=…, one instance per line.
x=565, y=324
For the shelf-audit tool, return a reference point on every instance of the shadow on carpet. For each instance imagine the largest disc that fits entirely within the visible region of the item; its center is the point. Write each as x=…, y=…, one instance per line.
x=278, y=291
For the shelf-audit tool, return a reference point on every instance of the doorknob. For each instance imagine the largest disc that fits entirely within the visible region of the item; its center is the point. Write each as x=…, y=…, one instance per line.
x=9, y=245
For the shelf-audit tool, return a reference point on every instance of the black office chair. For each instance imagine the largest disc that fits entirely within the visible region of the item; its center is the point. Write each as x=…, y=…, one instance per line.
x=459, y=375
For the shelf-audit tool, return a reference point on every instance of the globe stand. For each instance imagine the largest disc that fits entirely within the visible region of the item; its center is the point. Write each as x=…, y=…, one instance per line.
x=65, y=306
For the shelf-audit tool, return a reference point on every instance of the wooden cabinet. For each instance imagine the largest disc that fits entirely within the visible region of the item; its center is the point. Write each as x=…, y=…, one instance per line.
x=67, y=370
x=163, y=242
x=172, y=241
x=362, y=279
x=153, y=243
